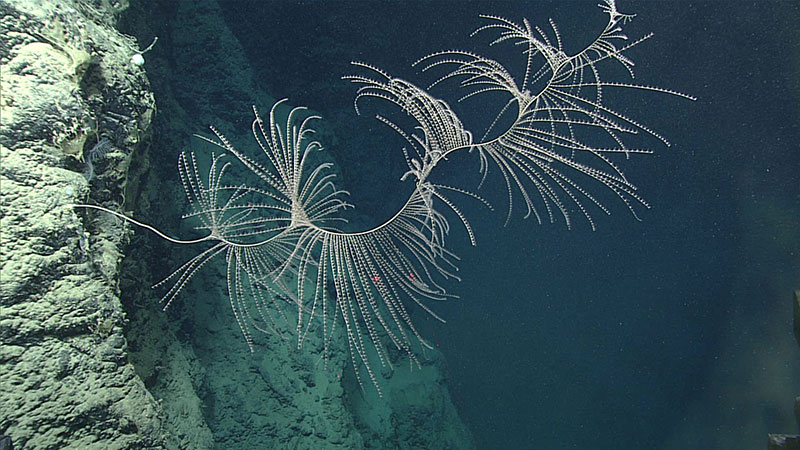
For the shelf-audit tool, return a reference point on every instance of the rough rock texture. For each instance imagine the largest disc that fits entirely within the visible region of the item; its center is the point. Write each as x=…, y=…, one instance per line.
x=416, y=410
x=65, y=380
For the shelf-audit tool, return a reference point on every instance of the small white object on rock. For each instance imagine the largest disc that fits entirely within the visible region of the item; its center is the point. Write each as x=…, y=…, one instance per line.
x=138, y=59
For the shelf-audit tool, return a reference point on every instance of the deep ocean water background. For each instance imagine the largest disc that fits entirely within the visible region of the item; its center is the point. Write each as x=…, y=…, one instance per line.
x=672, y=332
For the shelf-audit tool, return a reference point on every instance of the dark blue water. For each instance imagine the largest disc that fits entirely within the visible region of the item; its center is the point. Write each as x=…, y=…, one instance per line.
x=670, y=332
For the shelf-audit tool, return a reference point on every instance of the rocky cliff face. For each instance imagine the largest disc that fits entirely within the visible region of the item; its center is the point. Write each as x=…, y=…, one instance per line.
x=67, y=85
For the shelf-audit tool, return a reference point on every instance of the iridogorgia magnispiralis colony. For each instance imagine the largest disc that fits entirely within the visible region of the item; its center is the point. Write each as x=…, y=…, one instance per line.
x=552, y=139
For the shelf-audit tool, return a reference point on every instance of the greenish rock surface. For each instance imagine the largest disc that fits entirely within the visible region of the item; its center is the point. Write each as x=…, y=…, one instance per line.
x=65, y=379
